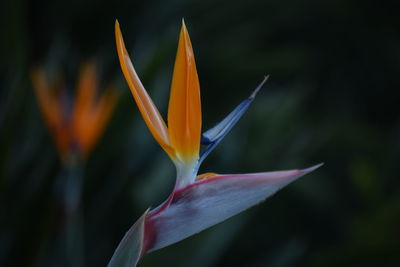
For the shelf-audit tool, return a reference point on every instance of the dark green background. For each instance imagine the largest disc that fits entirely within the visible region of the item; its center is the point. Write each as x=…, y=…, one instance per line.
x=334, y=69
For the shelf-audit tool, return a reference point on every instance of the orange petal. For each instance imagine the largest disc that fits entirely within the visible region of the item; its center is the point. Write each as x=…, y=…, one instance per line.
x=85, y=114
x=51, y=110
x=205, y=175
x=184, y=112
x=86, y=89
x=149, y=111
x=91, y=124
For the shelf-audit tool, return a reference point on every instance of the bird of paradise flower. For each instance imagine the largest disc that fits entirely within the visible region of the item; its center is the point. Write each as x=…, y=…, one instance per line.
x=197, y=201
x=76, y=127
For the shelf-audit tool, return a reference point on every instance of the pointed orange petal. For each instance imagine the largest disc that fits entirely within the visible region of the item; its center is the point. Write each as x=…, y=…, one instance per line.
x=86, y=89
x=51, y=111
x=184, y=112
x=149, y=111
x=92, y=123
x=46, y=101
x=84, y=114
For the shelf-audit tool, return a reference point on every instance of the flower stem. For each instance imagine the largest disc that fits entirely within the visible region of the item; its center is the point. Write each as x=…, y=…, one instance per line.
x=74, y=214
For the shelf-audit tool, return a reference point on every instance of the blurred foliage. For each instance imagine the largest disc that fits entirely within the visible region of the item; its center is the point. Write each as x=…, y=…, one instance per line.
x=333, y=67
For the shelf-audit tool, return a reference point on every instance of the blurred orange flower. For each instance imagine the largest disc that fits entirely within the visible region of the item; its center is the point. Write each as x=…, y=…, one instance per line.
x=76, y=125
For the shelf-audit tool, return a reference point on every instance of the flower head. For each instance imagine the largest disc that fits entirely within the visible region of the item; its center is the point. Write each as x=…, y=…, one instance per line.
x=75, y=125
x=197, y=201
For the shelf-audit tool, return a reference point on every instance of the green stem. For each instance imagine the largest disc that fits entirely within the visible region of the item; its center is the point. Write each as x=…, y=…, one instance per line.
x=69, y=250
x=74, y=214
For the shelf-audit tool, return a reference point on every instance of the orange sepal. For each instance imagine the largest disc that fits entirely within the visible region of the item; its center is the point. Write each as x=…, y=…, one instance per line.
x=184, y=112
x=149, y=111
x=50, y=107
x=91, y=112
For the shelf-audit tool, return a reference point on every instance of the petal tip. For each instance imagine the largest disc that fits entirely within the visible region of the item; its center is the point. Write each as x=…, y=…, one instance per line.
x=313, y=168
x=255, y=92
x=116, y=26
x=131, y=248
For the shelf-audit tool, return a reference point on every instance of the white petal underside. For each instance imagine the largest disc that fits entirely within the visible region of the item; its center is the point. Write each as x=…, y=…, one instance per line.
x=213, y=200
x=130, y=249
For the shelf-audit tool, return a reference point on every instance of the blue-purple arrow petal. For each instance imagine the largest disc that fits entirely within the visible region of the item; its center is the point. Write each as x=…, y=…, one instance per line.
x=213, y=136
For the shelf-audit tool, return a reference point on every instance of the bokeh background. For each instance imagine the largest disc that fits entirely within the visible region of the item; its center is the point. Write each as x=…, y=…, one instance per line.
x=333, y=66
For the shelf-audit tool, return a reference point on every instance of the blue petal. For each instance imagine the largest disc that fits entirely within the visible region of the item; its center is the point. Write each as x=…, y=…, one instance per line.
x=213, y=136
